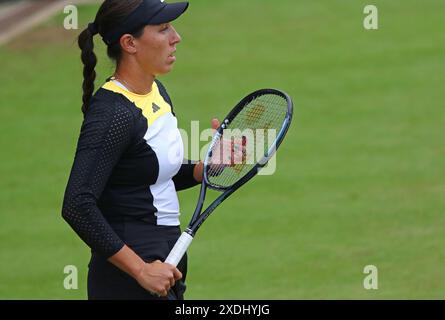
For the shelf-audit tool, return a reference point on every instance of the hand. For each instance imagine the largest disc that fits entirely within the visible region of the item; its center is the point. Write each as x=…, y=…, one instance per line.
x=228, y=152
x=158, y=277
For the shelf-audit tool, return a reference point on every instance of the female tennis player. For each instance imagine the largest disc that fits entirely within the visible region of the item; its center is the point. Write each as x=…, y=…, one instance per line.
x=121, y=195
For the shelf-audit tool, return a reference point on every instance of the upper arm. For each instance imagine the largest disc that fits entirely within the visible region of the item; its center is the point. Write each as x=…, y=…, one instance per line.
x=105, y=134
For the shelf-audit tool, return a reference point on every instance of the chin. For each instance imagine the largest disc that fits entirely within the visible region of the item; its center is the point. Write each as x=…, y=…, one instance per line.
x=164, y=70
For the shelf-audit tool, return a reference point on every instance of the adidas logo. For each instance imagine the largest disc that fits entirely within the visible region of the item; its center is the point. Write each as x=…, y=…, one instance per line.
x=155, y=107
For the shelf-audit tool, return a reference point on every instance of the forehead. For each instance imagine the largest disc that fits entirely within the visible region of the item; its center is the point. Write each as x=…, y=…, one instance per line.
x=157, y=26
x=152, y=30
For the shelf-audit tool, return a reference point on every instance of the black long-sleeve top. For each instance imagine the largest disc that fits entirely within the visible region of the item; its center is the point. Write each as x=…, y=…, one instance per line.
x=128, y=163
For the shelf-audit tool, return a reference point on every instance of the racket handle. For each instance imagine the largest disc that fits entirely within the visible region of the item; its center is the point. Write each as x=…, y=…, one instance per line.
x=179, y=249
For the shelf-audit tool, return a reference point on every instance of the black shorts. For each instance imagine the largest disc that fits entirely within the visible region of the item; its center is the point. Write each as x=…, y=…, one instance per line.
x=150, y=242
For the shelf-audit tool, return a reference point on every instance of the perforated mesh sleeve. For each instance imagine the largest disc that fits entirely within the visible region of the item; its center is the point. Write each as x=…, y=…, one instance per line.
x=105, y=133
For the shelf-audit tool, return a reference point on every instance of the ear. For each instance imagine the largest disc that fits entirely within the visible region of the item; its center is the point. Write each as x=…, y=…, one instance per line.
x=127, y=43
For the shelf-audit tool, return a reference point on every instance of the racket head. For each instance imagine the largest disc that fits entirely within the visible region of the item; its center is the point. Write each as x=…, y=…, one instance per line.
x=260, y=113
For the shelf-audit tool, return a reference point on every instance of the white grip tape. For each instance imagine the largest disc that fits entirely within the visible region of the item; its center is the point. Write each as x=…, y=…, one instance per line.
x=179, y=249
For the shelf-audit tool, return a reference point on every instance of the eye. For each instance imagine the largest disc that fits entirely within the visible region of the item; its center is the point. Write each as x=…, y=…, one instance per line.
x=165, y=27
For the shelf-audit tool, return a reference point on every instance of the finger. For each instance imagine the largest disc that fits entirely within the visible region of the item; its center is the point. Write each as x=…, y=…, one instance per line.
x=156, y=294
x=244, y=153
x=172, y=282
x=163, y=293
x=177, y=274
x=232, y=151
x=215, y=123
x=170, y=274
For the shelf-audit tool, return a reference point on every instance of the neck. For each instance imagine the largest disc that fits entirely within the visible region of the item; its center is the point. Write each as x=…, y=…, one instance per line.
x=134, y=79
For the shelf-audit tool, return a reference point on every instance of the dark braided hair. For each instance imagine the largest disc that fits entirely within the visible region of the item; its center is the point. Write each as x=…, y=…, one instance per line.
x=110, y=13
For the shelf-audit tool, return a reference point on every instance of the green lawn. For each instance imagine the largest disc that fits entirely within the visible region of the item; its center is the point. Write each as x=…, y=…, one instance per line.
x=360, y=176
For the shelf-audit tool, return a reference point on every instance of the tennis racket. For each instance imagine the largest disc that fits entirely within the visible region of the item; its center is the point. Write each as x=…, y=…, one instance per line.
x=244, y=142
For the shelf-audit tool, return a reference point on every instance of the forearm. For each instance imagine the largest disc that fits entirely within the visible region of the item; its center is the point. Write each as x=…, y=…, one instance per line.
x=128, y=261
x=156, y=277
x=189, y=175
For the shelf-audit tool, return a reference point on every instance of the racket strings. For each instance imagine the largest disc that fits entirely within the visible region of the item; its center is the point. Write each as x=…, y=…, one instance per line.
x=246, y=140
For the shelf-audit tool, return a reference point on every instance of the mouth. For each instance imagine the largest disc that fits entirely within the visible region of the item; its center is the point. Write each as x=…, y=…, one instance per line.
x=171, y=58
x=172, y=55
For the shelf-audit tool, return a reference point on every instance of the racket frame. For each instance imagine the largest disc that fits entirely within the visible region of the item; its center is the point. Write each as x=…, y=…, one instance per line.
x=198, y=218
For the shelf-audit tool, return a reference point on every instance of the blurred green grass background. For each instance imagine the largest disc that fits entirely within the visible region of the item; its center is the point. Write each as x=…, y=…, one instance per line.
x=360, y=176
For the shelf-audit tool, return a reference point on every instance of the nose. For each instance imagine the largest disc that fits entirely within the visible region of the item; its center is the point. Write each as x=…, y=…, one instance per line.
x=176, y=38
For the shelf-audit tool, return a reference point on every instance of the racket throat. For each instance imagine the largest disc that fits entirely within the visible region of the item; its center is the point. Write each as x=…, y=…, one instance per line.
x=201, y=199
x=190, y=232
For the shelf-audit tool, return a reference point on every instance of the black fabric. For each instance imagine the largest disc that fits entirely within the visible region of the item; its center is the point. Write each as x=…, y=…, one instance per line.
x=105, y=281
x=106, y=133
x=148, y=12
x=184, y=178
x=170, y=12
x=112, y=172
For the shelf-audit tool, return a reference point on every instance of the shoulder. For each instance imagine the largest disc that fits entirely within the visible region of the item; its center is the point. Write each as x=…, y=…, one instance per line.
x=110, y=109
x=111, y=103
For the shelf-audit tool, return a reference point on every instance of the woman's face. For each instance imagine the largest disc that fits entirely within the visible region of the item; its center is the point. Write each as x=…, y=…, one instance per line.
x=156, y=48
